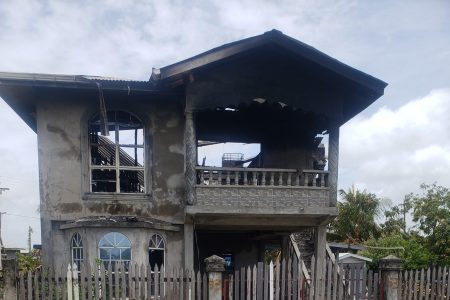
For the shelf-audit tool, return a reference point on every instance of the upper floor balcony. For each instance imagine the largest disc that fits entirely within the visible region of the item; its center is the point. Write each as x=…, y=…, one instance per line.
x=261, y=188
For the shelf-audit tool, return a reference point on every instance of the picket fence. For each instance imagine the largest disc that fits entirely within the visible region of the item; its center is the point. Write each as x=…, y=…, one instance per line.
x=274, y=281
x=432, y=283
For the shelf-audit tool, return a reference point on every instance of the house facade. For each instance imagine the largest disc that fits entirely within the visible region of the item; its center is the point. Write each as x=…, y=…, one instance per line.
x=119, y=173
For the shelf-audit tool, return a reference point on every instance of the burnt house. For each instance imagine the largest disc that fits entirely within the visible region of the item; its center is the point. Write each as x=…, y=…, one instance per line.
x=120, y=178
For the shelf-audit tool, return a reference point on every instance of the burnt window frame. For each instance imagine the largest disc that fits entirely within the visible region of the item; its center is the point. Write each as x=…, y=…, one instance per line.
x=117, y=167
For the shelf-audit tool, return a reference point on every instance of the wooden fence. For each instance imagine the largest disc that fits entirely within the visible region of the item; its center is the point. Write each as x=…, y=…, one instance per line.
x=282, y=280
x=432, y=283
x=117, y=282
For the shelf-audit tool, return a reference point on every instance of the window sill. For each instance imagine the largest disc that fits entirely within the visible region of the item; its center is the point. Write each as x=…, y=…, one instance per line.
x=119, y=197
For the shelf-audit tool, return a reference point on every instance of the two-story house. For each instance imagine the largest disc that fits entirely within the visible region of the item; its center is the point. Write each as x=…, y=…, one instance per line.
x=119, y=174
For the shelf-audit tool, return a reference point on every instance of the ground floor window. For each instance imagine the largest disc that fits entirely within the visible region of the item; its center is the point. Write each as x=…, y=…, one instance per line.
x=156, y=251
x=115, y=247
x=77, y=250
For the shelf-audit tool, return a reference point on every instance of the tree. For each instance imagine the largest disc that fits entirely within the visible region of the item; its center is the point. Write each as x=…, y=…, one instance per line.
x=356, y=220
x=411, y=249
x=30, y=261
x=431, y=210
x=395, y=223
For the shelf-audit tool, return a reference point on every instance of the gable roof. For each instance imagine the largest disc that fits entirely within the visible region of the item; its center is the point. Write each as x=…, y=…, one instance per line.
x=273, y=37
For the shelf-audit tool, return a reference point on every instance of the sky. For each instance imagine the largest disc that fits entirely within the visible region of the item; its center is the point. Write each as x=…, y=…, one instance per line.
x=389, y=149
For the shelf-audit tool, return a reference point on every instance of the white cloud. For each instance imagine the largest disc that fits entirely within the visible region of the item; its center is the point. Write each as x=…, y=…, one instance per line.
x=393, y=151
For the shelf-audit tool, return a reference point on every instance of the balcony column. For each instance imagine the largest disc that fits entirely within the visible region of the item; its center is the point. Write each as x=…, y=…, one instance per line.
x=333, y=162
x=190, y=141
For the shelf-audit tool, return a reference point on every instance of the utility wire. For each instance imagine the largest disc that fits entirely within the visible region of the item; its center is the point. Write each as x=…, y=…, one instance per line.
x=22, y=216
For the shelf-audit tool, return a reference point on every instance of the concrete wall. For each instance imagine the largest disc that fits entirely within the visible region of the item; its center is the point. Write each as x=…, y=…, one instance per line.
x=62, y=127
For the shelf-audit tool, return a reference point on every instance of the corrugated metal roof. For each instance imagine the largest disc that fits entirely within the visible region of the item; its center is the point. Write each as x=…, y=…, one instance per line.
x=79, y=81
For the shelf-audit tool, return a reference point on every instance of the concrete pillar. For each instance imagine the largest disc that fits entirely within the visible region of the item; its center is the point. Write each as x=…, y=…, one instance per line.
x=215, y=265
x=190, y=141
x=390, y=267
x=320, y=254
x=188, y=246
x=333, y=162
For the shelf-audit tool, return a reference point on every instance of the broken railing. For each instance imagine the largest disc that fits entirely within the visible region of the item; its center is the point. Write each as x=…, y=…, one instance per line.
x=261, y=177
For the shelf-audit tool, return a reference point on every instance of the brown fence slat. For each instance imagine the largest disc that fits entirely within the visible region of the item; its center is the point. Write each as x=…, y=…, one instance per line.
x=416, y=284
x=428, y=286
x=132, y=280
x=254, y=282
x=328, y=271
x=82, y=283
x=64, y=283
x=181, y=283
x=294, y=278
x=142, y=281
x=21, y=283
x=266, y=282
x=300, y=284
x=283, y=279
x=123, y=282
x=96, y=286
x=438, y=280
x=243, y=283
x=29, y=286
x=230, y=287
x=236, y=284
x=443, y=281
x=102, y=281
x=198, y=286
x=313, y=277
x=448, y=283
x=43, y=282
x=376, y=285
x=36, y=285
x=140, y=285
x=109, y=279
x=370, y=286
x=51, y=283
x=162, y=284
x=289, y=279
x=58, y=285
x=259, y=280
x=364, y=281
x=249, y=283
x=421, y=284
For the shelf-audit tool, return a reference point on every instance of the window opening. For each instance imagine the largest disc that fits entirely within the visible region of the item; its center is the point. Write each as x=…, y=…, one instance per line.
x=156, y=251
x=115, y=247
x=77, y=250
x=117, y=160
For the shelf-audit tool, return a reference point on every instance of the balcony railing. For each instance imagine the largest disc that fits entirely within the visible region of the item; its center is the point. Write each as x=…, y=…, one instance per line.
x=261, y=188
x=215, y=176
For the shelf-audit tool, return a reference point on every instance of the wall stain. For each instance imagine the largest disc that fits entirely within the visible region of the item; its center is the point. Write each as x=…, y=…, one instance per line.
x=69, y=207
x=73, y=151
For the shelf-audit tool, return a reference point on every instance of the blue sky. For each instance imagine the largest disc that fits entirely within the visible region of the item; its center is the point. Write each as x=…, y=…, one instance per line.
x=399, y=142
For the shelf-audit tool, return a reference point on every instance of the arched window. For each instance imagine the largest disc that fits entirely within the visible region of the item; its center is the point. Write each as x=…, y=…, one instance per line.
x=77, y=250
x=117, y=159
x=156, y=251
x=114, y=247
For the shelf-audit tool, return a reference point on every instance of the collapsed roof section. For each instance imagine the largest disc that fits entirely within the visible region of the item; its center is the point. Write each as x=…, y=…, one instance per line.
x=272, y=67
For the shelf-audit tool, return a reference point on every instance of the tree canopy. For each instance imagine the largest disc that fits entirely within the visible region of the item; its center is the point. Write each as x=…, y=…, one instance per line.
x=425, y=242
x=356, y=220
